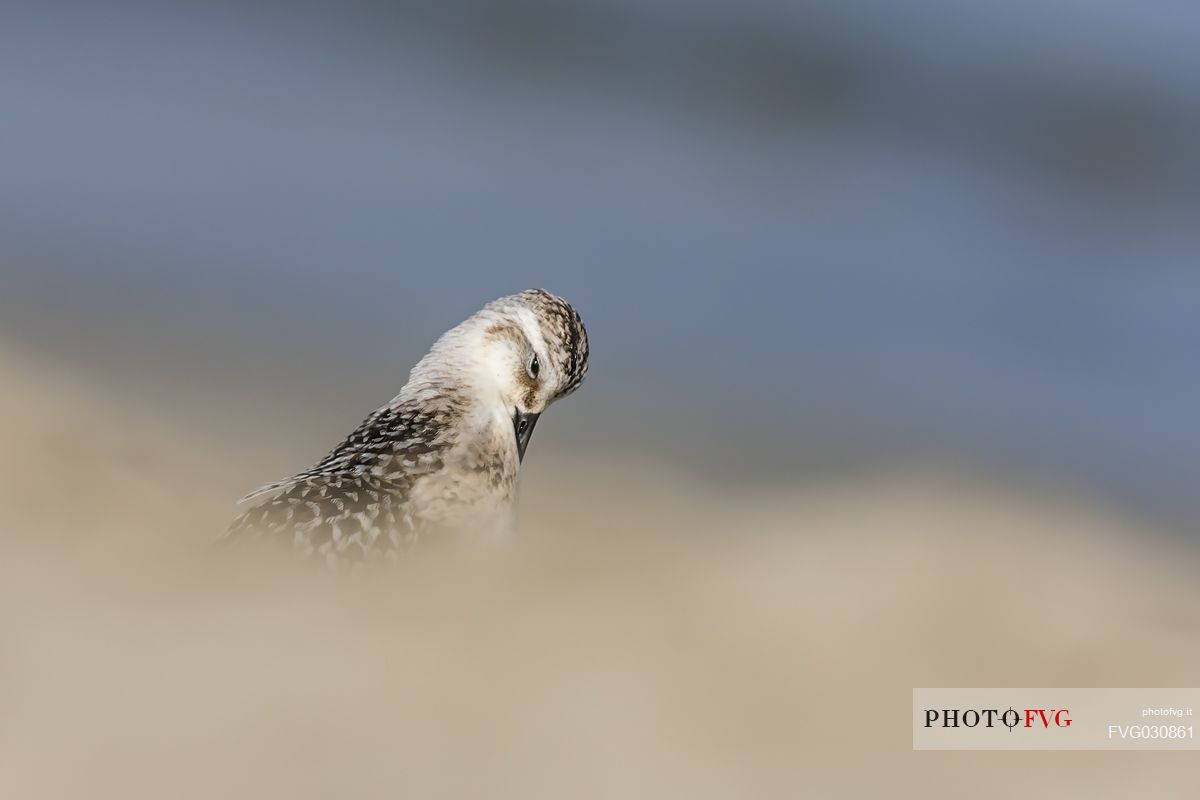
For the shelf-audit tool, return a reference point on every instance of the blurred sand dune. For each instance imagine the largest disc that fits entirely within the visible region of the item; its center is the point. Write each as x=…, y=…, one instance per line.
x=648, y=636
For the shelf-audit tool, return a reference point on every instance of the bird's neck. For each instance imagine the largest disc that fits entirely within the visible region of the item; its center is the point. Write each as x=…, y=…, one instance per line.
x=459, y=380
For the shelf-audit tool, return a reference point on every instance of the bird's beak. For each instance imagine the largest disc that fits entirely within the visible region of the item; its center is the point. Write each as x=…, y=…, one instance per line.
x=523, y=425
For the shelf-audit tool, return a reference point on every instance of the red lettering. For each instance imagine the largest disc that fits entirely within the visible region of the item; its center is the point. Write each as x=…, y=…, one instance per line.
x=1035, y=713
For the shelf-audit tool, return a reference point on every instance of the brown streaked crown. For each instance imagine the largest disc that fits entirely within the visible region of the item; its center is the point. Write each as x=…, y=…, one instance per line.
x=565, y=334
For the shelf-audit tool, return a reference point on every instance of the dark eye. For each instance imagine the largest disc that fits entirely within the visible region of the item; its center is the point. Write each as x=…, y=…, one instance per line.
x=534, y=367
x=523, y=427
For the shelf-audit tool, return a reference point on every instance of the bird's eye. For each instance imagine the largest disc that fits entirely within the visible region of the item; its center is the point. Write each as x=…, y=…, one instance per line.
x=523, y=426
x=534, y=367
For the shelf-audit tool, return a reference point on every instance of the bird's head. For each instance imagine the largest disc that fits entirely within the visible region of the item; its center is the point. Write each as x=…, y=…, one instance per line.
x=522, y=352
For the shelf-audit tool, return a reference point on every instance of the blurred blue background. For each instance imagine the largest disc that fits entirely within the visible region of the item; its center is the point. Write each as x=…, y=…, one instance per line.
x=805, y=236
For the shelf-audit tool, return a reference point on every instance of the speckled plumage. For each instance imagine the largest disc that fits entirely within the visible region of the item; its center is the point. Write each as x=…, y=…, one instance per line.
x=443, y=456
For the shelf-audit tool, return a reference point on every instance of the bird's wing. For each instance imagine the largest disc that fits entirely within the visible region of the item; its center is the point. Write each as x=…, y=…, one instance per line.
x=335, y=518
x=354, y=503
x=270, y=488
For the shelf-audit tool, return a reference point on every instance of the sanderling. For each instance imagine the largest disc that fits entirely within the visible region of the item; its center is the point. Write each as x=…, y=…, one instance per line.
x=443, y=455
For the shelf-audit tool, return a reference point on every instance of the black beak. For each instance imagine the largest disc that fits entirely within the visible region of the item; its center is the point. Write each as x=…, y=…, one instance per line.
x=523, y=425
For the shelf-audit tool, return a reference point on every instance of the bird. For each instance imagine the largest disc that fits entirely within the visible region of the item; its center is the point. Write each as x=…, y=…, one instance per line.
x=441, y=459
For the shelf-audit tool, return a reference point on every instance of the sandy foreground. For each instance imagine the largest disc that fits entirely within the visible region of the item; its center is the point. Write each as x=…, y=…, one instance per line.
x=648, y=636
